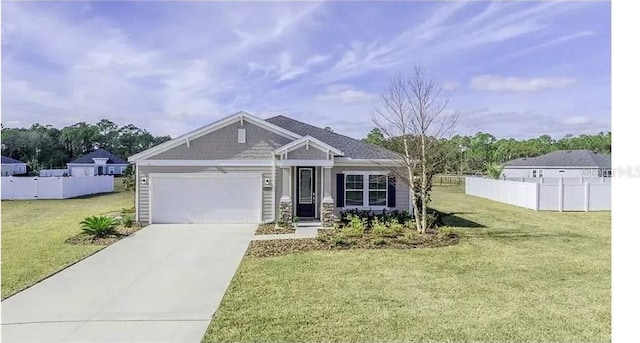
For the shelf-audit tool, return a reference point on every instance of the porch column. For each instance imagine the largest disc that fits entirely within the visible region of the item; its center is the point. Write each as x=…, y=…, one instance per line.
x=285, y=201
x=326, y=213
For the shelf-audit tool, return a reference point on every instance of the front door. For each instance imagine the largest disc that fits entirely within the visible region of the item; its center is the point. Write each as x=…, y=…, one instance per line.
x=306, y=192
x=100, y=170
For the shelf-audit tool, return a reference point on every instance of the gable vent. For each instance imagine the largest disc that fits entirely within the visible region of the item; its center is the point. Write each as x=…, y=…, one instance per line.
x=242, y=136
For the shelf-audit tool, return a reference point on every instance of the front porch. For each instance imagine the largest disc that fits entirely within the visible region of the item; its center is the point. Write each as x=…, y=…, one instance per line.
x=306, y=166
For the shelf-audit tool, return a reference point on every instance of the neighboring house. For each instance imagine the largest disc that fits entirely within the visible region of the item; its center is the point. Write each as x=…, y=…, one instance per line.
x=12, y=166
x=562, y=163
x=243, y=169
x=98, y=162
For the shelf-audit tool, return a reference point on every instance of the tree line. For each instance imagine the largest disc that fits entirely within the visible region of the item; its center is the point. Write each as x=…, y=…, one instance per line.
x=44, y=146
x=471, y=154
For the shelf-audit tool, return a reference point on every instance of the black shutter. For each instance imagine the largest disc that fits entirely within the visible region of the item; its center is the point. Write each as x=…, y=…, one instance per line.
x=340, y=190
x=391, y=190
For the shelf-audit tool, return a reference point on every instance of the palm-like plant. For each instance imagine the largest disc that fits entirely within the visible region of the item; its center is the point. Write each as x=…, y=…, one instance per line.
x=99, y=226
x=494, y=170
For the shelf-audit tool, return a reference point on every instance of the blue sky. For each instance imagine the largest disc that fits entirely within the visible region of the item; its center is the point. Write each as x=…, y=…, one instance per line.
x=515, y=69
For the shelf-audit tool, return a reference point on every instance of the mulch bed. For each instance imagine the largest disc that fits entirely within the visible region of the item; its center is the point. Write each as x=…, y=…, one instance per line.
x=270, y=229
x=86, y=239
x=325, y=241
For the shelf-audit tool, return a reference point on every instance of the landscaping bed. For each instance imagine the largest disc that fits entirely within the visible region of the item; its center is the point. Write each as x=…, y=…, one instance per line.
x=273, y=229
x=87, y=239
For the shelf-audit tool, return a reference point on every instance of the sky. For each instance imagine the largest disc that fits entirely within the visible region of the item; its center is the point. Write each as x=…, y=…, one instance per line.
x=513, y=69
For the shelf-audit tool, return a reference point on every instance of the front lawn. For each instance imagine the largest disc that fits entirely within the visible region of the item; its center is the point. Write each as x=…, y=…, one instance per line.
x=34, y=234
x=516, y=275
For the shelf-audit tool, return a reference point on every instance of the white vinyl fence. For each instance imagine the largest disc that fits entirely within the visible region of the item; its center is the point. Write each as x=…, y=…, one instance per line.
x=579, y=194
x=21, y=188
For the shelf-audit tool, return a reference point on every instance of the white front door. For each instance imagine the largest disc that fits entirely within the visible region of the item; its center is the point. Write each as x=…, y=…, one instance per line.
x=205, y=198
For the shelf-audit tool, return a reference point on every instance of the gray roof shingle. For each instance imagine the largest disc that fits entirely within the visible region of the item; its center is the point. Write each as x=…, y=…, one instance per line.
x=564, y=158
x=351, y=147
x=9, y=160
x=100, y=153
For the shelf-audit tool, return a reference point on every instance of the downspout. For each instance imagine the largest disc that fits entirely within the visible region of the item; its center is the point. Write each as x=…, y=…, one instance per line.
x=274, y=184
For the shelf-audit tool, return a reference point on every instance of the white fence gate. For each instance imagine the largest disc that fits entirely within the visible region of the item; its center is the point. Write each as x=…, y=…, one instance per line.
x=22, y=188
x=579, y=194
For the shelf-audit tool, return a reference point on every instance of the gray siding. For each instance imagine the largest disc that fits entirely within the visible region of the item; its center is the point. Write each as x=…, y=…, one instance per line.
x=303, y=154
x=222, y=144
x=143, y=190
x=402, y=188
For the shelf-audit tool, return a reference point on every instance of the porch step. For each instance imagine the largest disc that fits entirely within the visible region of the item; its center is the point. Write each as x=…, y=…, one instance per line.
x=310, y=224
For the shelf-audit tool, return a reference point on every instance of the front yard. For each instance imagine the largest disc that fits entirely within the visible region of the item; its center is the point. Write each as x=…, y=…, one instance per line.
x=516, y=275
x=34, y=234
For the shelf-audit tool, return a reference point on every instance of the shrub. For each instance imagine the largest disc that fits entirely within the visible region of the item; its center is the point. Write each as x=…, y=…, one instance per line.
x=379, y=242
x=323, y=238
x=341, y=239
x=392, y=229
x=128, y=210
x=445, y=232
x=99, y=226
x=127, y=220
x=355, y=227
x=411, y=225
x=431, y=220
x=284, y=224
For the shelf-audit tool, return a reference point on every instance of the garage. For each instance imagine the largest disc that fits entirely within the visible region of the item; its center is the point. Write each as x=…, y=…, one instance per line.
x=82, y=171
x=205, y=198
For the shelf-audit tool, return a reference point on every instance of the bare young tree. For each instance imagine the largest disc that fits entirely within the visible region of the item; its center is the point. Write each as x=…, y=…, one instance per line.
x=412, y=113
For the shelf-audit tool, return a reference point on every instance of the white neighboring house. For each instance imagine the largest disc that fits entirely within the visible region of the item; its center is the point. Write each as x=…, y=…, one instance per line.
x=560, y=164
x=12, y=166
x=98, y=162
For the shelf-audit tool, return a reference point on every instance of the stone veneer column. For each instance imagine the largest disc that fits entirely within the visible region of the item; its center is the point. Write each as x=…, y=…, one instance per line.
x=327, y=200
x=285, y=206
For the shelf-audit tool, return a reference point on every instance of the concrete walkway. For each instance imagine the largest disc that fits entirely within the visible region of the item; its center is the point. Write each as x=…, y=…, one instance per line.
x=161, y=285
x=301, y=232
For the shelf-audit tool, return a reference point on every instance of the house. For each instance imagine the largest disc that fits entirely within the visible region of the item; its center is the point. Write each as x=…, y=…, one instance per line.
x=12, y=166
x=243, y=169
x=97, y=162
x=561, y=163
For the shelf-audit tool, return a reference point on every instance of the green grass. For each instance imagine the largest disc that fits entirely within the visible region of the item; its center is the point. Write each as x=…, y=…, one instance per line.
x=34, y=231
x=524, y=276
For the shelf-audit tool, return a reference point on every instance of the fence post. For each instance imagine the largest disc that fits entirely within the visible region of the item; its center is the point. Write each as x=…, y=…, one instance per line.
x=537, y=196
x=560, y=195
x=587, y=191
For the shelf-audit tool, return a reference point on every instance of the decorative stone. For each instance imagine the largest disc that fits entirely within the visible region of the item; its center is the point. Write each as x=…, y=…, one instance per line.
x=327, y=213
x=286, y=210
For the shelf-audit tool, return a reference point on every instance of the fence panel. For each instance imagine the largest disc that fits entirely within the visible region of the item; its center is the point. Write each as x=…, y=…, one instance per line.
x=587, y=194
x=22, y=188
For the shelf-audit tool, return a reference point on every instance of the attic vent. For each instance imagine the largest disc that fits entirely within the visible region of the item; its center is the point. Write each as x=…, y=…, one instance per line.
x=242, y=136
x=568, y=151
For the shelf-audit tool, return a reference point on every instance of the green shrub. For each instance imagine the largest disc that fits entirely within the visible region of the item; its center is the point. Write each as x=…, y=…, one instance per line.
x=323, y=238
x=99, y=226
x=431, y=220
x=127, y=220
x=411, y=225
x=355, y=228
x=445, y=232
x=379, y=242
x=392, y=229
x=341, y=239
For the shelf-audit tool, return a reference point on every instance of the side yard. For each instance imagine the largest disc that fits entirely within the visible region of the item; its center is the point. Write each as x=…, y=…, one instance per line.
x=34, y=234
x=516, y=275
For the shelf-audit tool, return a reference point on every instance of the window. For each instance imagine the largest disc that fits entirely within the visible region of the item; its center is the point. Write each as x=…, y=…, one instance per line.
x=354, y=190
x=111, y=170
x=365, y=189
x=607, y=173
x=540, y=173
x=122, y=169
x=534, y=173
x=242, y=136
x=377, y=190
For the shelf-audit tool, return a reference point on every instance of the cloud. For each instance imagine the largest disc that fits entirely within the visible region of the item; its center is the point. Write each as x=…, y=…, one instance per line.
x=549, y=43
x=346, y=95
x=506, y=83
x=450, y=85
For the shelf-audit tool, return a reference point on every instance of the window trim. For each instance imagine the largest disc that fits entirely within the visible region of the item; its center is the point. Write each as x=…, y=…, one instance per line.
x=122, y=170
x=111, y=170
x=365, y=196
x=242, y=136
x=534, y=173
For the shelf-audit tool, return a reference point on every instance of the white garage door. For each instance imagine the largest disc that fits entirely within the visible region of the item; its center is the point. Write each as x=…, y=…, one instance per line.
x=82, y=171
x=205, y=198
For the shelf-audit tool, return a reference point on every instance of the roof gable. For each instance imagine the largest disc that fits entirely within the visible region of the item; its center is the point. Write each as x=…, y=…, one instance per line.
x=238, y=116
x=350, y=147
x=307, y=140
x=100, y=153
x=9, y=160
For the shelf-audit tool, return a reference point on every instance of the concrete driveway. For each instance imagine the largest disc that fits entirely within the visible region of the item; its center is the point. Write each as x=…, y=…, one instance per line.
x=161, y=285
